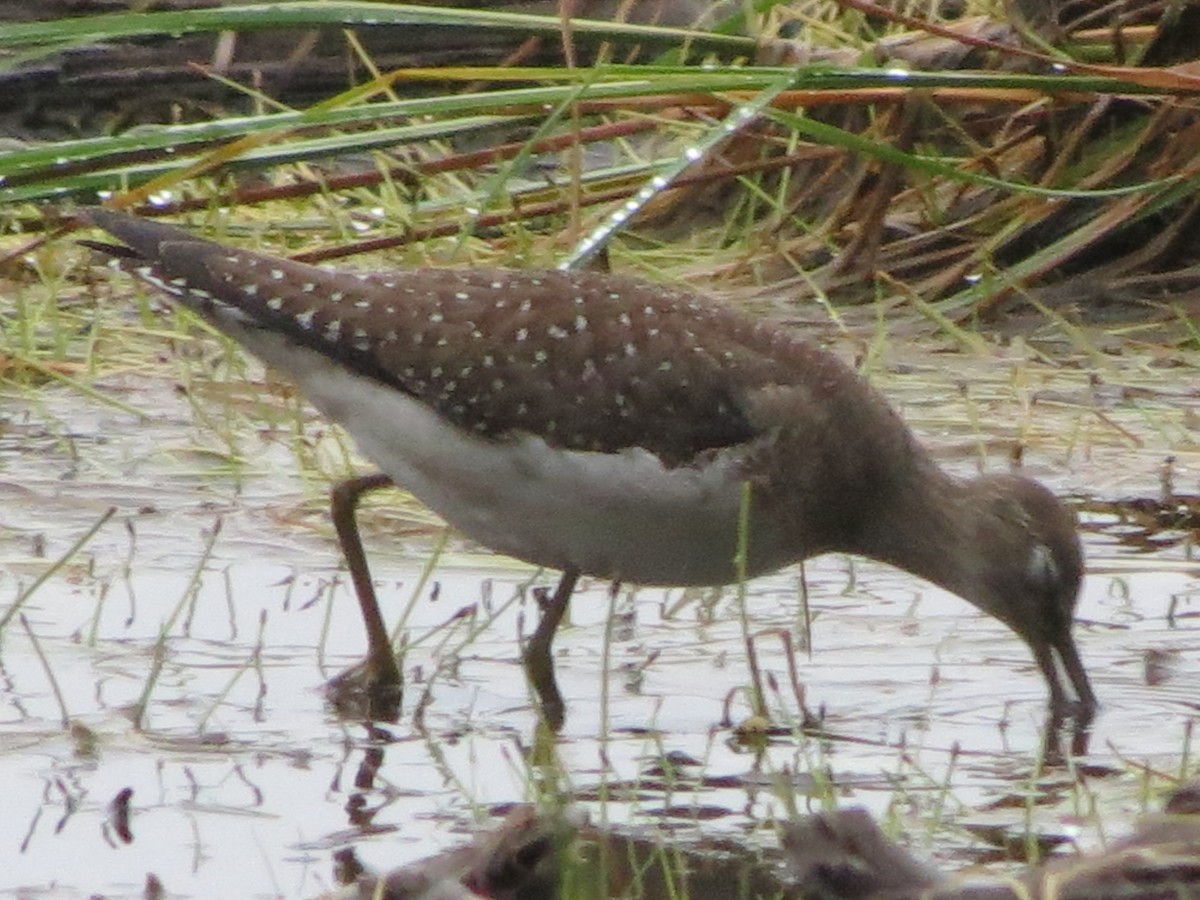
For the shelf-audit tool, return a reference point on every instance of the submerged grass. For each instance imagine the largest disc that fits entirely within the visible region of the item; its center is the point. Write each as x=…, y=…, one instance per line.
x=50, y=571
x=186, y=601
x=46, y=667
x=948, y=199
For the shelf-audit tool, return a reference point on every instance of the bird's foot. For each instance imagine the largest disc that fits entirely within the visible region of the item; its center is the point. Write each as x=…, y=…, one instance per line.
x=369, y=690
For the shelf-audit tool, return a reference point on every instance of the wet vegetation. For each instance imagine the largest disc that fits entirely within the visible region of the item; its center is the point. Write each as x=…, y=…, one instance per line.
x=992, y=215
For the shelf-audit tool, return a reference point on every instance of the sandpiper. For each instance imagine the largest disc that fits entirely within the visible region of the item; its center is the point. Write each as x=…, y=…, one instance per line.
x=598, y=424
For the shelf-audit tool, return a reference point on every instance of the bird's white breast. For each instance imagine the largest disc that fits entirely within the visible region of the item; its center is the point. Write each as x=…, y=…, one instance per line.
x=623, y=515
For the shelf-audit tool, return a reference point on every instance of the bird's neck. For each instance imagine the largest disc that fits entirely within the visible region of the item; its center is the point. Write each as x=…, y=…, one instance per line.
x=929, y=529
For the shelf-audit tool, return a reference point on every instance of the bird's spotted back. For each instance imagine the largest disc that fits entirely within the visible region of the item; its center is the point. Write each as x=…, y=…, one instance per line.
x=589, y=361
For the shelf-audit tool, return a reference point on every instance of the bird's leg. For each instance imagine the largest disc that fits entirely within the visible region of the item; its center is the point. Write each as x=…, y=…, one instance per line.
x=378, y=677
x=1048, y=655
x=539, y=664
x=1063, y=709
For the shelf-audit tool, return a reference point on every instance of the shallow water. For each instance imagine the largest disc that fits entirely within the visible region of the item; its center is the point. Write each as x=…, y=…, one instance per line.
x=244, y=783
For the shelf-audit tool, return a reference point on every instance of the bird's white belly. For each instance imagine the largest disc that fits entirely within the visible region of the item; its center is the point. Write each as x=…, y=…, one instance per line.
x=621, y=515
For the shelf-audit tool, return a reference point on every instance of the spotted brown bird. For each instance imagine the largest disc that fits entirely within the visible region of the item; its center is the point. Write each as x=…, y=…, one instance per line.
x=598, y=424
